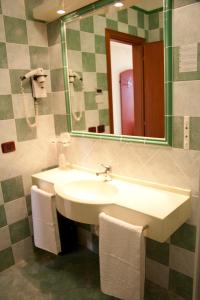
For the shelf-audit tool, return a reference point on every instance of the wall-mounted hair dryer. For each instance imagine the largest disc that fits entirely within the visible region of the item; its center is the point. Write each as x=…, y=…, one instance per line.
x=38, y=78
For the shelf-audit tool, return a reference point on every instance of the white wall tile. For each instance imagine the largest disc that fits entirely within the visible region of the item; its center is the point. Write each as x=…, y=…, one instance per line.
x=18, y=105
x=58, y=103
x=74, y=60
x=2, y=31
x=55, y=56
x=89, y=81
x=22, y=249
x=186, y=24
x=73, y=25
x=89, y=45
x=101, y=64
x=122, y=27
x=18, y=56
x=7, y=131
x=1, y=196
x=181, y=260
x=45, y=128
x=14, y=8
x=99, y=25
x=186, y=98
x=91, y=118
x=37, y=33
x=5, y=87
x=16, y=210
x=5, y=241
x=157, y=273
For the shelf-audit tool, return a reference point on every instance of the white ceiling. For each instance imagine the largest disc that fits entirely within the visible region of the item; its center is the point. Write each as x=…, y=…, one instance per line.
x=46, y=11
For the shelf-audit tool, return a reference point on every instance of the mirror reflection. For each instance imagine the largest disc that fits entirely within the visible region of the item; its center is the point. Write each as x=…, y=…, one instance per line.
x=116, y=70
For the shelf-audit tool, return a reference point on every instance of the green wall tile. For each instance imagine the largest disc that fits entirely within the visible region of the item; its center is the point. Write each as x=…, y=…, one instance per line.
x=53, y=32
x=90, y=100
x=87, y=24
x=132, y=30
x=102, y=81
x=6, y=259
x=6, y=108
x=177, y=132
x=29, y=5
x=57, y=80
x=3, y=56
x=39, y=57
x=194, y=133
x=19, y=230
x=123, y=16
x=104, y=117
x=3, y=221
x=80, y=125
x=60, y=123
x=111, y=24
x=154, y=21
x=88, y=61
x=24, y=132
x=73, y=39
x=0, y=8
x=15, y=30
x=181, y=284
x=140, y=19
x=155, y=292
x=158, y=251
x=44, y=106
x=12, y=188
x=15, y=81
x=28, y=204
x=100, y=44
x=185, y=237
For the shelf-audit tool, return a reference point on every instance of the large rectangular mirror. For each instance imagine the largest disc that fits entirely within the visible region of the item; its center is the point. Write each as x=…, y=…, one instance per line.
x=118, y=70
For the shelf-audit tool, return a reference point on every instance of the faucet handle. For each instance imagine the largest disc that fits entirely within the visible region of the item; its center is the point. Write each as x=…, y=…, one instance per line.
x=107, y=167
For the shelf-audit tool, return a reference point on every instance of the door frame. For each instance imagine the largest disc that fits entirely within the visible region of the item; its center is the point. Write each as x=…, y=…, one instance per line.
x=112, y=35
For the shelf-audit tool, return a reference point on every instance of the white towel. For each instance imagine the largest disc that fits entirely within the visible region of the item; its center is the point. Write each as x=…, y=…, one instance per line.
x=122, y=258
x=45, y=225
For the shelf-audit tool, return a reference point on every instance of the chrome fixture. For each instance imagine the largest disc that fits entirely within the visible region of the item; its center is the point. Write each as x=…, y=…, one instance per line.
x=106, y=172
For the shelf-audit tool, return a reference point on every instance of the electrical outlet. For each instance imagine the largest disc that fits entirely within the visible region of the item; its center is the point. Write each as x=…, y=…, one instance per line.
x=186, y=138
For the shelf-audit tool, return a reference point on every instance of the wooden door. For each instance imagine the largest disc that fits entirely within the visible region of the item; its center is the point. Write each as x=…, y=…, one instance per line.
x=154, y=89
x=127, y=102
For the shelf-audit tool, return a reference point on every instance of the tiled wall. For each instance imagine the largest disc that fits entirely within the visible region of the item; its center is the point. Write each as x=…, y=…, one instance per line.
x=23, y=46
x=87, y=56
x=172, y=265
x=169, y=265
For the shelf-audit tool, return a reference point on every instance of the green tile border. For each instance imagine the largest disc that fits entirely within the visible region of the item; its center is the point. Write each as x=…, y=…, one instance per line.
x=167, y=141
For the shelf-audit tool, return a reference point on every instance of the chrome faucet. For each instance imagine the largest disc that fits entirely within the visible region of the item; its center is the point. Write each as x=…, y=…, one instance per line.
x=106, y=172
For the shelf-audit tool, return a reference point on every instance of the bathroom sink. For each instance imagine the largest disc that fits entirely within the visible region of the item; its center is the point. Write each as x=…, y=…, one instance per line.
x=83, y=199
x=81, y=196
x=89, y=191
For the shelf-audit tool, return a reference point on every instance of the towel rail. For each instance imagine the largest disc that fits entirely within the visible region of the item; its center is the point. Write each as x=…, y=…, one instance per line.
x=145, y=227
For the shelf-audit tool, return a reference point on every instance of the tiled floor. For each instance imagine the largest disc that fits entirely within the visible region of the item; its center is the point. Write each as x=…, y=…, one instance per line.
x=74, y=276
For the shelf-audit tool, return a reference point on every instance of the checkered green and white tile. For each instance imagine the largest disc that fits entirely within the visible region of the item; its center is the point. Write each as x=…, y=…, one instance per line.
x=87, y=54
x=23, y=46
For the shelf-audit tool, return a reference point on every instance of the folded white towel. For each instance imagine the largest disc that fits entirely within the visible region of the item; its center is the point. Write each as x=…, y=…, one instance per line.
x=122, y=258
x=45, y=225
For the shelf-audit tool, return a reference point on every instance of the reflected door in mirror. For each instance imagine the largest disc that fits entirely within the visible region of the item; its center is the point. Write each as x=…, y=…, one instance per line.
x=127, y=102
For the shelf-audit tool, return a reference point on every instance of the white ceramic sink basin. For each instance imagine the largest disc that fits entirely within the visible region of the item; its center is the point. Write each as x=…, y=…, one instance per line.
x=81, y=196
x=88, y=191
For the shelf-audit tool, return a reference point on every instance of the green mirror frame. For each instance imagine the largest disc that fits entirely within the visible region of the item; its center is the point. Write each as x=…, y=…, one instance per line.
x=167, y=32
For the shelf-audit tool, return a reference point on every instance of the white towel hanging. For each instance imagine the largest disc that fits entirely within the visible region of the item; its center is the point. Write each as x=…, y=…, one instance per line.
x=45, y=224
x=122, y=258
